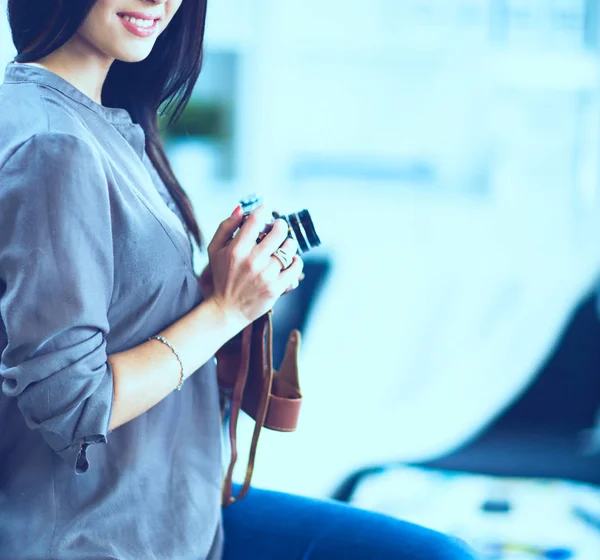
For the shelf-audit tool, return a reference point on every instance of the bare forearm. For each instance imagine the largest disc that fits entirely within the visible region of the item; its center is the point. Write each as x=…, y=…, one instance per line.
x=146, y=374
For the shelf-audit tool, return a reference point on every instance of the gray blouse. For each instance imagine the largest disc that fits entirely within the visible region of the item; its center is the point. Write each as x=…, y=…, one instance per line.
x=94, y=259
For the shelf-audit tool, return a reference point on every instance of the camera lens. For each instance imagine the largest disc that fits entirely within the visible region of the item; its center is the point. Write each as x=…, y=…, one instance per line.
x=296, y=232
x=302, y=229
x=309, y=228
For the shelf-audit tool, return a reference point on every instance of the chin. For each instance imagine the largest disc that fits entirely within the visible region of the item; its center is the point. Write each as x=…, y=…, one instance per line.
x=134, y=55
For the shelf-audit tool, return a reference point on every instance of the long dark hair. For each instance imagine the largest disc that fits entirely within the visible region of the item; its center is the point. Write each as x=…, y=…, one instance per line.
x=165, y=80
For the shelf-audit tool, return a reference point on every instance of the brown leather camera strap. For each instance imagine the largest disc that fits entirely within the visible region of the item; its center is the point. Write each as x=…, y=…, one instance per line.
x=261, y=359
x=271, y=398
x=236, y=406
x=256, y=360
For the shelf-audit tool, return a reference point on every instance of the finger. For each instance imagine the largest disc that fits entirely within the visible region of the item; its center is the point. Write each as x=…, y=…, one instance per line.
x=290, y=276
x=226, y=230
x=292, y=287
x=290, y=248
x=275, y=239
x=245, y=240
x=271, y=273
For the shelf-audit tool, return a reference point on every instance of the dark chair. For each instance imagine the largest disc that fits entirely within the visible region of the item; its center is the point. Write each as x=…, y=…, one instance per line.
x=547, y=430
x=292, y=311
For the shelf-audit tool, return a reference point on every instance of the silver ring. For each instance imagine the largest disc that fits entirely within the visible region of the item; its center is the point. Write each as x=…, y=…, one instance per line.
x=283, y=258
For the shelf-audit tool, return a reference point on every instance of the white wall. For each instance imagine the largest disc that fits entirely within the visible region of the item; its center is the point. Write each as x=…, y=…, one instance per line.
x=441, y=304
x=7, y=49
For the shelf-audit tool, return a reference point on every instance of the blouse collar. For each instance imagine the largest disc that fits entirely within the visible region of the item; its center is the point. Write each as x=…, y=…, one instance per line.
x=21, y=73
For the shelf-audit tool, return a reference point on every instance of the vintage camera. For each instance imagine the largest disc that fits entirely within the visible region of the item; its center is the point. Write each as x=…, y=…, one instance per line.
x=300, y=224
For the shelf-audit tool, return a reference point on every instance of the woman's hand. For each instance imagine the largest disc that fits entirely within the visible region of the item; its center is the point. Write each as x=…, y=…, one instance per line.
x=247, y=279
x=207, y=286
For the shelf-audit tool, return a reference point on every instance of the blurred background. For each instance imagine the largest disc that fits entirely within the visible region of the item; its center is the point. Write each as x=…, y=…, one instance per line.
x=449, y=153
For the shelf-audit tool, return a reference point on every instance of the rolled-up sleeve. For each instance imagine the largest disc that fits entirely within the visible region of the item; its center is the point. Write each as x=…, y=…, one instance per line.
x=56, y=267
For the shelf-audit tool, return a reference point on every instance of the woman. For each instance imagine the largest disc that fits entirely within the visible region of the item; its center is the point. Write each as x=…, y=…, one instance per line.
x=102, y=316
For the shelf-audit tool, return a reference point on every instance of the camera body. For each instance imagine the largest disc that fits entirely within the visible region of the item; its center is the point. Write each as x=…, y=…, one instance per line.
x=300, y=224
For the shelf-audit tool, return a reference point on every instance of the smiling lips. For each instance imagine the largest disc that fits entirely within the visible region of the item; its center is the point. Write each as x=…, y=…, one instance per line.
x=142, y=25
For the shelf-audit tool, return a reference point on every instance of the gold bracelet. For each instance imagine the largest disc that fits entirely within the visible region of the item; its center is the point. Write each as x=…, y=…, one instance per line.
x=172, y=348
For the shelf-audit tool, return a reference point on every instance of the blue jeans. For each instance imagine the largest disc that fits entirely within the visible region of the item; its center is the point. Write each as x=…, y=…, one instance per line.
x=273, y=526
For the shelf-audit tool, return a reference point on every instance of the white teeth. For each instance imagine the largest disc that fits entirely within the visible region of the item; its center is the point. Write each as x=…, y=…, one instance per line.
x=139, y=22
